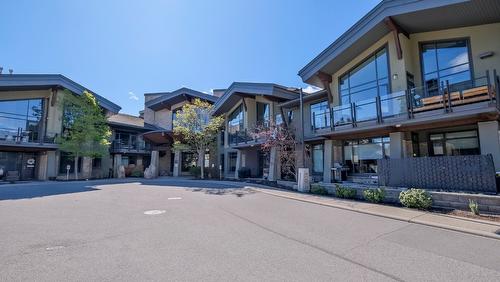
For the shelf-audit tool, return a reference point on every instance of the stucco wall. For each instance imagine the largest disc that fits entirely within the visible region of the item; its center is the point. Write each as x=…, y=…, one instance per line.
x=482, y=38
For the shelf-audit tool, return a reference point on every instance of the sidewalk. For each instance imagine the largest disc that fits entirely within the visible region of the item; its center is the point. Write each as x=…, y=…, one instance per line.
x=471, y=226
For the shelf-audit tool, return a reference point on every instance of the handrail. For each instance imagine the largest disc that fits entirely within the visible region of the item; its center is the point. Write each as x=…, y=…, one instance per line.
x=445, y=96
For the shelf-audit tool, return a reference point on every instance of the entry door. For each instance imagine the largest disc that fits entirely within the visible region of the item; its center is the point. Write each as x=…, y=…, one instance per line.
x=28, y=166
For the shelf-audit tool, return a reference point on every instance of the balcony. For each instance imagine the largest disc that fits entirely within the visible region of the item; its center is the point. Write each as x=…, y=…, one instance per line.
x=413, y=105
x=18, y=138
x=119, y=146
x=240, y=137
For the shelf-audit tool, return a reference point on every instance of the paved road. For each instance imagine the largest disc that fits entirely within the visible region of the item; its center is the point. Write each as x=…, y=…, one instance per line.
x=218, y=232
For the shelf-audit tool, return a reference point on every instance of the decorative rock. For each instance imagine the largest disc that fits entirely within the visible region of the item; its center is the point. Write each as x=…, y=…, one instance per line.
x=121, y=172
x=150, y=172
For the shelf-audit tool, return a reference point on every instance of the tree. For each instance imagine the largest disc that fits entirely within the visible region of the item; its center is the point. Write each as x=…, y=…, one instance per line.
x=195, y=129
x=282, y=138
x=85, y=129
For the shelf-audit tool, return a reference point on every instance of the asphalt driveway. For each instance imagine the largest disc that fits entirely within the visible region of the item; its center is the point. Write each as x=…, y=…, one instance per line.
x=213, y=231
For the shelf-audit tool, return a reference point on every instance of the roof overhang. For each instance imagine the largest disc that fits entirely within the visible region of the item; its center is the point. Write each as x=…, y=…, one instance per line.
x=13, y=82
x=307, y=98
x=412, y=16
x=159, y=137
x=168, y=99
x=239, y=90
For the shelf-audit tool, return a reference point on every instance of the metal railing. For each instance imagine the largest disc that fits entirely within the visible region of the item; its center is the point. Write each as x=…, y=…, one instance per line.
x=120, y=146
x=240, y=137
x=408, y=103
x=19, y=136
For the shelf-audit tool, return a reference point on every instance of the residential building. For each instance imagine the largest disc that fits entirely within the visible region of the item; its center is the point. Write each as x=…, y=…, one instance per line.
x=246, y=106
x=409, y=79
x=160, y=110
x=31, y=118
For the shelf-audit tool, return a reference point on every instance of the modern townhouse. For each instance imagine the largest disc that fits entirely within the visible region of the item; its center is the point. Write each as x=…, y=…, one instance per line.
x=409, y=81
x=30, y=121
x=160, y=111
x=245, y=107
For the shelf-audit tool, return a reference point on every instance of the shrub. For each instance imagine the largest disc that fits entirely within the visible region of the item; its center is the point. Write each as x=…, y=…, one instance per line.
x=244, y=172
x=416, y=198
x=195, y=171
x=137, y=173
x=474, y=207
x=374, y=195
x=345, y=192
x=318, y=189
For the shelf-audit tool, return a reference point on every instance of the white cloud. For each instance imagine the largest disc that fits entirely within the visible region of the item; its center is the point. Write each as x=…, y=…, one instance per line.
x=132, y=96
x=311, y=89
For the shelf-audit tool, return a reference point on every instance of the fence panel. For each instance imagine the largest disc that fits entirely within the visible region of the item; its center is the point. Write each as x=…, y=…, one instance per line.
x=451, y=173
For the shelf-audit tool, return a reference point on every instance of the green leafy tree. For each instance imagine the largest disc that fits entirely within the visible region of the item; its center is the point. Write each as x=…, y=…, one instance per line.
x=85, y=129
x=195, y=129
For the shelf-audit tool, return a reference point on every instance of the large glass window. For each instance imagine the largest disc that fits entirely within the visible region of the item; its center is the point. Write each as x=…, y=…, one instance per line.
x=235, y=120
x=320, y=115
x=361, y=155
x=445, y=61
x=263, y=114
x=235, y=123
x=317, y=158
x=454, y=143
x=20, y=119
x=366, y=81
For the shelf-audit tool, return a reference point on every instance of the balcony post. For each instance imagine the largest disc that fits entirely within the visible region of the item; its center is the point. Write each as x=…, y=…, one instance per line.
x=488, y=85
x=379, y=109
x=448, y=94
x=443, y=95
x=353, y=114
x=497, y=84
x=314, y=122
x=332, y=127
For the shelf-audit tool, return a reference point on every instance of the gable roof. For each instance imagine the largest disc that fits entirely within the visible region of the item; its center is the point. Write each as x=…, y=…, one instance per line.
x=320, y=94
x=130, y=121
x=411, y=15
x=46, y=81
x=237, y=90
x=168, y=99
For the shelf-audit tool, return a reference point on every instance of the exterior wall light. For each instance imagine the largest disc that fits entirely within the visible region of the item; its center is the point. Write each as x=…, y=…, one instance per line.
x=395, y=76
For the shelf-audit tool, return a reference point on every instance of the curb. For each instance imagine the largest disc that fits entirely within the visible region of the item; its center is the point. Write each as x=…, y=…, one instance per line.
x=414, y=220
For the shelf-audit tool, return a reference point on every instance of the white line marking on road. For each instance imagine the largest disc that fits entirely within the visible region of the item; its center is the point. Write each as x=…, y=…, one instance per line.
x=175, y=198
x=54, y=248
x=154, y=212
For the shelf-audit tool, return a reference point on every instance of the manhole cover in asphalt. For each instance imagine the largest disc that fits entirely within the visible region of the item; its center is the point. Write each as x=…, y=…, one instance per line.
x=154, y=212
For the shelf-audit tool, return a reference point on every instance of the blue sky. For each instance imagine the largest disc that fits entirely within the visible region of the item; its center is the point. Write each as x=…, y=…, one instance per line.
x=123, y=49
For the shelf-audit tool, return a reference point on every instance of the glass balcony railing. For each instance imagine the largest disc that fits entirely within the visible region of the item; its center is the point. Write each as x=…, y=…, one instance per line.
x=408, y=103
x=120, y=146
x=394, y=104
x=342, y=115
x=240, y=137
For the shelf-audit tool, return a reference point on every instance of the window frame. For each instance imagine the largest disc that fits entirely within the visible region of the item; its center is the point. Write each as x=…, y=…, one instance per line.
x=444, y=133
x=373, y=54
x=435, y=42
x=314, y=172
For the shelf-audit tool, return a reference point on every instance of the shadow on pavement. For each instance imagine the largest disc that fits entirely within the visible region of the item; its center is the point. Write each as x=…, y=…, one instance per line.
x=238, y=192
x=35, y=191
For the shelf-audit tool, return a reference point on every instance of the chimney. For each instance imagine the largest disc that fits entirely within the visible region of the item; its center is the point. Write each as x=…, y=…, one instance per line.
x=11, y=71
x=218, y=92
